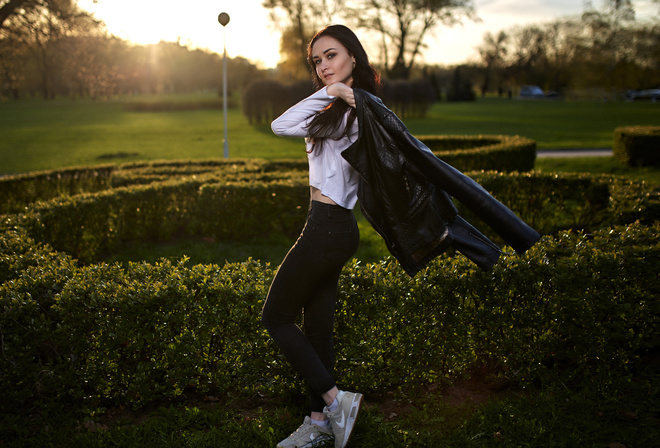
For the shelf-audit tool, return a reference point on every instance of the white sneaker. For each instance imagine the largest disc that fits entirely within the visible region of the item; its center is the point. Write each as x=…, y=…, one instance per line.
x=308, y=435
x=343, y=418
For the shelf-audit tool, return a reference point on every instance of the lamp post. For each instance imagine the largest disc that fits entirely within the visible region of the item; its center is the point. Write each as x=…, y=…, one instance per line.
x=223, y=18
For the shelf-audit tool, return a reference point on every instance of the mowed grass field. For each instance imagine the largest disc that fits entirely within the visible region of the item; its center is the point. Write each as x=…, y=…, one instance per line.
x=41, y=135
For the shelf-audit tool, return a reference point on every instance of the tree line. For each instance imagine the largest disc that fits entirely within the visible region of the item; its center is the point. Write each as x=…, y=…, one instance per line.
x=604, y=47
x=51, y=48
x=600, y=53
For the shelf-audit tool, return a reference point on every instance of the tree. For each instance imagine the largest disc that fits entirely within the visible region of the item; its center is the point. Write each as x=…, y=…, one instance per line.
x=88, y=68
x=12, y=66
x=302, y=18
x=600, y=53
x=460, y=86
x=10, y=8
x=404, y=24
x=610, y=31
x=493, y=53
x=42, y=30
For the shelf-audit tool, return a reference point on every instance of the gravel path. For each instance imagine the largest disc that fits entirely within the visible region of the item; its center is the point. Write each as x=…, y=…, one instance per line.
x=595, y=152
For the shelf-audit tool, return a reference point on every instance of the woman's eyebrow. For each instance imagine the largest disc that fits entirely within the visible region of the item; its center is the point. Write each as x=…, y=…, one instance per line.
x=317, y=56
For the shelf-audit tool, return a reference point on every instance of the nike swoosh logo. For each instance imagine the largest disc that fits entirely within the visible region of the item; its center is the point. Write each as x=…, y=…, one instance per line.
x=341, y=423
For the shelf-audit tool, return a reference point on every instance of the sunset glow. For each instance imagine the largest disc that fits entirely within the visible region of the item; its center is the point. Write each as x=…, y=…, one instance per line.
x=251, y=34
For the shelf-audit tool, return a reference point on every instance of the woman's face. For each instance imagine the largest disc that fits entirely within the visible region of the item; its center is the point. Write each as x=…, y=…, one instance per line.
x=333, y=61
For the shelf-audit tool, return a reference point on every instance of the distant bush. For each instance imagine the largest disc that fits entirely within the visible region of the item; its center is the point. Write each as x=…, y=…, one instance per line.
x=460, y=87
x=265, y=100
x=20, y=190
x=637, y=145
x=299, y=90
x=409, y=99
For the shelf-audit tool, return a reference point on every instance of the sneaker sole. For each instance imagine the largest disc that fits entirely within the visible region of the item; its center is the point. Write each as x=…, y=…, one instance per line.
x=352, y=416
x=320, y=440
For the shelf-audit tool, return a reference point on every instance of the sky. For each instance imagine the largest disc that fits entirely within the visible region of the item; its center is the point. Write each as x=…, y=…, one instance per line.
x=251, y=34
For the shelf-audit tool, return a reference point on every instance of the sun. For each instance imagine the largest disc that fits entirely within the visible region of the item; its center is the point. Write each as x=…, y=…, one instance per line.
x=248, y=34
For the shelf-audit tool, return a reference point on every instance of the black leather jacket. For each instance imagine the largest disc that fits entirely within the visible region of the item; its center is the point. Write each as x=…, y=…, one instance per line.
x=405, y=193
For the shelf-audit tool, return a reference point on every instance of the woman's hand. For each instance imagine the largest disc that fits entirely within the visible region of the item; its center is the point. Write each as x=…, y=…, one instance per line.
x=341, y=90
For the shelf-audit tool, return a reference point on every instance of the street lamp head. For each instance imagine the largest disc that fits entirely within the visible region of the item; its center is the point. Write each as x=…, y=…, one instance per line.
x=223, y=18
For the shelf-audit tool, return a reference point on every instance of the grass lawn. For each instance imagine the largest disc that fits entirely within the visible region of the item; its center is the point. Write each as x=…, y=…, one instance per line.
x=597, y=165
x=58, y=134
x=553, y=124
x=42, y=135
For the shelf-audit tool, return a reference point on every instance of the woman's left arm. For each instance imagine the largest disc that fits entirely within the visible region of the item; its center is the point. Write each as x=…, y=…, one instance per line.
x=295, y=121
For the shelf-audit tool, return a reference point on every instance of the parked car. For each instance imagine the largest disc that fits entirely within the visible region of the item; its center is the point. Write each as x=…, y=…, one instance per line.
x=531, y=92
x=648, y=94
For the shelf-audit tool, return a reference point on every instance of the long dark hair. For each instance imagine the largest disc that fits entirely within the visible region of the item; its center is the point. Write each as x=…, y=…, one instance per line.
x=365, y=77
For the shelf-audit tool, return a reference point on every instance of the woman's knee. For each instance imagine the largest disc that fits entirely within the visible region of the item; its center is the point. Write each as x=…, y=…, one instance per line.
x=267, y=319
x=273, y=318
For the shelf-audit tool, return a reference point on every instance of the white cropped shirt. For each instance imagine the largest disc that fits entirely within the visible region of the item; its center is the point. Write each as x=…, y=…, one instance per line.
x=328, y=170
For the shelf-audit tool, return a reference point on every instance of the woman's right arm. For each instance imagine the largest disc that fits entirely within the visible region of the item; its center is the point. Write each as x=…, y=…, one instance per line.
x=294, y=122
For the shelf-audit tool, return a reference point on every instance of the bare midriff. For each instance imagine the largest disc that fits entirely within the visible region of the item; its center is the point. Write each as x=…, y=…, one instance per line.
x=318, y=196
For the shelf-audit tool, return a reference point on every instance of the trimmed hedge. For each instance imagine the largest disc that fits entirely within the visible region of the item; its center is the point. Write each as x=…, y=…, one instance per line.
x=91, y=225
x=19, y=191
x=249, y=205
x=484, y=152
x=577, y=305
x=637, y=145
x=488, y=153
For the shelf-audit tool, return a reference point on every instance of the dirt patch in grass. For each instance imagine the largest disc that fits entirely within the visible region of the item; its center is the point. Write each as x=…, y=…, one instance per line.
x=437, y=406
x=452, y=400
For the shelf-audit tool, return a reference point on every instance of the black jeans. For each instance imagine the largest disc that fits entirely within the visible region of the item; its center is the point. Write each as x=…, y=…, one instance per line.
x=307, y=282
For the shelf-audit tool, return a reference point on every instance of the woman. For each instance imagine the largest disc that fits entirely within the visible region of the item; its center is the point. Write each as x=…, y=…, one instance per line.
x=307, y=281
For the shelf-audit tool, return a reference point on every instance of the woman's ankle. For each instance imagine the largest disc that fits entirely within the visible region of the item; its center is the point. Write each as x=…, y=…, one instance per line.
x=330, y=396
x=318, y=416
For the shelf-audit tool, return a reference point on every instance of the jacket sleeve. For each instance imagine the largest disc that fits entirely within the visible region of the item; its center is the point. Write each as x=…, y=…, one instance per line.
x=472, y=195
x=496, y=215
